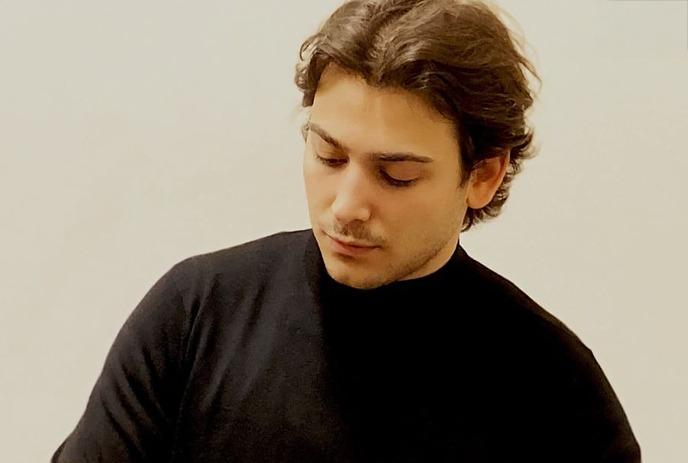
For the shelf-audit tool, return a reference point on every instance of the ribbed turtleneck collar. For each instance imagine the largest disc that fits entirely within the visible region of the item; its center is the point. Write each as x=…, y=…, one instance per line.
x=385, y=328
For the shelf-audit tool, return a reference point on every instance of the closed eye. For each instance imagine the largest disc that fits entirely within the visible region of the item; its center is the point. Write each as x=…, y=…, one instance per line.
x=386, y=177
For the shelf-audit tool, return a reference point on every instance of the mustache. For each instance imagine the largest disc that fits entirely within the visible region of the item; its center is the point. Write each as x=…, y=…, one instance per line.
x=357, y=237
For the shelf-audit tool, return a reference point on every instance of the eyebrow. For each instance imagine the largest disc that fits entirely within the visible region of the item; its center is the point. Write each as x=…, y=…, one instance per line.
x=379, y=155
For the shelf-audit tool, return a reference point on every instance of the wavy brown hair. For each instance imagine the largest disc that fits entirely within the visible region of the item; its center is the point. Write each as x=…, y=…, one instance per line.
x=457, y=55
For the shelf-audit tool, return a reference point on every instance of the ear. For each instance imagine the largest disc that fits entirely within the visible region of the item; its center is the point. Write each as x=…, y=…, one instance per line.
x=486, y=178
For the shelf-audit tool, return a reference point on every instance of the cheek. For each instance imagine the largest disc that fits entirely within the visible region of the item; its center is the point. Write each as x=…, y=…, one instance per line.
x=411, y=212
x=425, y=208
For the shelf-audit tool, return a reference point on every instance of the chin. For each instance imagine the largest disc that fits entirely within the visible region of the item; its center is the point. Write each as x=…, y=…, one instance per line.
x=352, y=278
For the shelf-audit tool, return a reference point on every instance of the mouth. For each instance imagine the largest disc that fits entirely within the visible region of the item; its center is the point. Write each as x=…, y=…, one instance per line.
x=348, y=249
x=353, y=244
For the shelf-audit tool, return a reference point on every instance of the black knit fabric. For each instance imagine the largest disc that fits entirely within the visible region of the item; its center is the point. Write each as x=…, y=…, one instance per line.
x=254, y=353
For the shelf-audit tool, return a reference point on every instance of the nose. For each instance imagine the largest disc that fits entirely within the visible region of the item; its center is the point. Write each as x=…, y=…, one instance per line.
x=351, y=203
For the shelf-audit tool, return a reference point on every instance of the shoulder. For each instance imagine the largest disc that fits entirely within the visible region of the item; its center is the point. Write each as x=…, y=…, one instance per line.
x=519, y=317
x=554, y=375
x=253, y=258
x=237, y=272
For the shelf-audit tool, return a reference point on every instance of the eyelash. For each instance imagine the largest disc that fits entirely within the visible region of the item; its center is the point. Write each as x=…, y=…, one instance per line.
x=392, y=181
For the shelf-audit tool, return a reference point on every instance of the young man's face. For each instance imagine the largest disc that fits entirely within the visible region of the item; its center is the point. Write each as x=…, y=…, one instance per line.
x=415, y=227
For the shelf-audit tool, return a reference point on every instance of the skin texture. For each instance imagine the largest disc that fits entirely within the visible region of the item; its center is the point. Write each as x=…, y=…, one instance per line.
x=417, y=227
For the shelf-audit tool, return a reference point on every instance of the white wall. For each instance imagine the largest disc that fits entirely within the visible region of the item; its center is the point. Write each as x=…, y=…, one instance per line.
x=134, y=134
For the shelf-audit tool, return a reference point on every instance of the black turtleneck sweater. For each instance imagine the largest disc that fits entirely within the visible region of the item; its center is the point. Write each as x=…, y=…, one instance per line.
x=254, y=353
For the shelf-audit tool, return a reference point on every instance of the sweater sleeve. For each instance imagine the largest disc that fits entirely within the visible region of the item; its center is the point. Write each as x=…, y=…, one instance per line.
x=597, y=428
x=131, y=411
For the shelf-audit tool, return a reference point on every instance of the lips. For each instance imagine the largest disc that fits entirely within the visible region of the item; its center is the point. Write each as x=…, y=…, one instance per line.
x=352, y=244
x=350, y=250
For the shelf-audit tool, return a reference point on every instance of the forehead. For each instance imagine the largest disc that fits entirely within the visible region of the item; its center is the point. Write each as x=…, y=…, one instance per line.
x=370, y=119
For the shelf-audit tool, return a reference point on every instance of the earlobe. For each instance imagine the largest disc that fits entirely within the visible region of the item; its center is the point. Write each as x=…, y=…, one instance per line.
x=486, y=179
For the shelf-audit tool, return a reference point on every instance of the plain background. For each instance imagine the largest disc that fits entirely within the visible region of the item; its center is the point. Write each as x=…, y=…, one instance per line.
x=134, y=134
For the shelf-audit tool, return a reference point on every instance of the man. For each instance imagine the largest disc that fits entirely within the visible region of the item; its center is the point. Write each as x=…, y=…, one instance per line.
x=371, y=336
